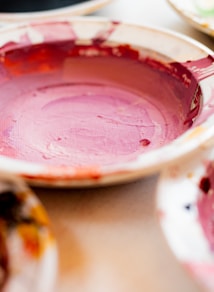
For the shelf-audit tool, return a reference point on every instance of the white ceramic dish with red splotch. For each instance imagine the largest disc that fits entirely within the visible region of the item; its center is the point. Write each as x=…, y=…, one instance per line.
x=185, y=199
x=28, y=251
x=87, y=101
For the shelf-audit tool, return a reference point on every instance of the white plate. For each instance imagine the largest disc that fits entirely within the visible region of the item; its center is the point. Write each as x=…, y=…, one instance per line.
x=200, y=16
x=185, y=200
x=73, y=10
x=28, y=248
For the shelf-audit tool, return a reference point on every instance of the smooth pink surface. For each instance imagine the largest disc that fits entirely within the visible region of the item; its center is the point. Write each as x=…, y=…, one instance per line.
x=60, y=109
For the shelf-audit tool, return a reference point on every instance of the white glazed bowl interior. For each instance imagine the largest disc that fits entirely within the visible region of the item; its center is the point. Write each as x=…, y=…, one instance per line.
x=160, y=45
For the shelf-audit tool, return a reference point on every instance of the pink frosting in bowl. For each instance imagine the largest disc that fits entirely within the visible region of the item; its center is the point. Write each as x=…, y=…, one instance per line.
x=83, y=111
x=78, y=109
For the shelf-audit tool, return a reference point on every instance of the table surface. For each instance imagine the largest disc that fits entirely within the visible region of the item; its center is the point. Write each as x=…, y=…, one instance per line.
x=109, y=238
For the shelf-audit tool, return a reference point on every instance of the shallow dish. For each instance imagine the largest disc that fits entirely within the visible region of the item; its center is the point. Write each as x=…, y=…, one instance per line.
x=28, y=248
x=84, y=7
x=88, y=101
x=197, y=13
x=185, y=199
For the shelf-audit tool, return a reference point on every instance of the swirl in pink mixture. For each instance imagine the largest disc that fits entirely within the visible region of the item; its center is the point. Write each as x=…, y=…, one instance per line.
x=62, y=108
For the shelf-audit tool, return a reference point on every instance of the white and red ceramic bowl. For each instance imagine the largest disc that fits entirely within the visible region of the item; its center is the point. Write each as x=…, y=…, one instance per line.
x=185, y=201
x=89, y=101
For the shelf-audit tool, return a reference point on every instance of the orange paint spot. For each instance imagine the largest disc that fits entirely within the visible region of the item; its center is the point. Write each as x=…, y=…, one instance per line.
x=195, y=133
x=39, y=214
x=36, y=240
x=190, y=175
x=29, y=235
x=53, y=174
x=205, y=25
x=84, y=172
x=24, y=195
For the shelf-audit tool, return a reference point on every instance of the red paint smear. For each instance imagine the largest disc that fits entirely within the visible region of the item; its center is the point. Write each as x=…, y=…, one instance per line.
x=54, y=174
x=182, y=73
x=103, y=35
x=145, y=142
x=201, y=68
x=47, y=57
x=205, y=204
x=205, y=185
x=37, y=58
x=32, y=246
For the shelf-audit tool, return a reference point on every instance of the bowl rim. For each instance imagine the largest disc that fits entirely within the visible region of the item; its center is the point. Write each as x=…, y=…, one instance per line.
x=152, y=162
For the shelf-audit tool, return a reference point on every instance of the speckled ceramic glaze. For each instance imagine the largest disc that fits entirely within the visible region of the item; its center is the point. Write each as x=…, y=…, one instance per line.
x=28, y=248
x=198, y=13
x=89, y=102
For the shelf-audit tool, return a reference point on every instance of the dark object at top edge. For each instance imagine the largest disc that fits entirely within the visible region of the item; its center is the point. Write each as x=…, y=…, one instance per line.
x=34, y=5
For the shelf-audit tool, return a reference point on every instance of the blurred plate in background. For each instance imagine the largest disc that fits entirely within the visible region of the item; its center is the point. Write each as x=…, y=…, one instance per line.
x=11, y=12
x=185, y=198
x=27, y=246
x=196, y=13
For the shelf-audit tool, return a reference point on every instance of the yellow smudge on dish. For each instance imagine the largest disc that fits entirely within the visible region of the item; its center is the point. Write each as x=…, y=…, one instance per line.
x=195, y=133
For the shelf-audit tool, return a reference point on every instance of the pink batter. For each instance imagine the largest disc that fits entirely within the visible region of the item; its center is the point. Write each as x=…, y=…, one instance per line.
x=61, y=109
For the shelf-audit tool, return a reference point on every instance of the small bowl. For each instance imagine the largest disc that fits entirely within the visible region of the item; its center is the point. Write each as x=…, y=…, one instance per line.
x=89, y=101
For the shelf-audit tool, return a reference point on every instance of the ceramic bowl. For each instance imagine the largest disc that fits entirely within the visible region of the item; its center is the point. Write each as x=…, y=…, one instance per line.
x=88, y=101
x=185, y=196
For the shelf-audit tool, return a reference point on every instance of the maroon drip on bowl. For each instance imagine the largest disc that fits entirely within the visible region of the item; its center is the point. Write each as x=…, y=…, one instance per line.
x=86, y=101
